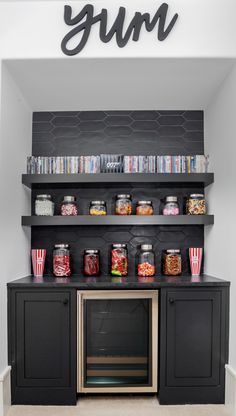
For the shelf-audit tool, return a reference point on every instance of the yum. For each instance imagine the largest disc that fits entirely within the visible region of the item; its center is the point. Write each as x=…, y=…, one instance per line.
x=84, y=21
